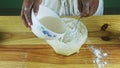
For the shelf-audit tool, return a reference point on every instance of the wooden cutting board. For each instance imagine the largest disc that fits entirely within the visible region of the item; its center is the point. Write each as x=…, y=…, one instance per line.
x=19, y=47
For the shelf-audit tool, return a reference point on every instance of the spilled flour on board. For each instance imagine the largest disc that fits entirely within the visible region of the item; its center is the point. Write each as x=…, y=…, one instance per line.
x=101, y=56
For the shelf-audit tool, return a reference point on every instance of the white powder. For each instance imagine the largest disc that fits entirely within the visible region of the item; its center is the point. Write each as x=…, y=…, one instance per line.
x=71, y=42
x=105, y=54
x=100, y=59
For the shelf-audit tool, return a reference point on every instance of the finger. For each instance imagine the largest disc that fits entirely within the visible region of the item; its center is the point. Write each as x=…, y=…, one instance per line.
x=27, y=11
x=27, y=14
x=93, y=6
x=22, y=13
x=25, y=2
x=36, y=6
x=85, y=8
x=24, y=20
x=80, y=6
x=27, y=18
x=91, y=10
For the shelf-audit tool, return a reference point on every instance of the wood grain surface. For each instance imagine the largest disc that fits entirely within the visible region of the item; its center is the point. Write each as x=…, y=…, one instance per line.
x=20, y=48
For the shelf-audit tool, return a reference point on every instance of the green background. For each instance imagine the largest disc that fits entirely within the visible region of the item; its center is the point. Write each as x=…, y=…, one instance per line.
x=13, y=7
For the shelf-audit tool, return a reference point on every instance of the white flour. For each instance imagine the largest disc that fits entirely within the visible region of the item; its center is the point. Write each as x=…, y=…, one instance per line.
x=100, y=59
x=71, y=42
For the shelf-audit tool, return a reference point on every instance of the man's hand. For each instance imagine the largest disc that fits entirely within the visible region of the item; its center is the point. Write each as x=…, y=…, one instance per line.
x=87, y=7
x=26, y=10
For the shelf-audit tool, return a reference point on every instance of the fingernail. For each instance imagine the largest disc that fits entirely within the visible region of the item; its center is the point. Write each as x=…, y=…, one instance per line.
x=29, y=24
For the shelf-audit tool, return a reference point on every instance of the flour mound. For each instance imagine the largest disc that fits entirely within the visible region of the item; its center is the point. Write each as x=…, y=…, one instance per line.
x=70, y=43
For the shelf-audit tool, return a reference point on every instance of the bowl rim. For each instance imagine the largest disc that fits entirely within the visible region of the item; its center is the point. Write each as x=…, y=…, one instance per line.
x=39, y=24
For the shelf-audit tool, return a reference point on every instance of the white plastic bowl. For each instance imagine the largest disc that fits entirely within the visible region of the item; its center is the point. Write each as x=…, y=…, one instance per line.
x=47, y=24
